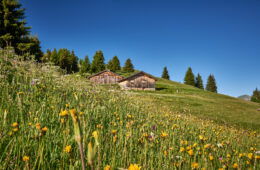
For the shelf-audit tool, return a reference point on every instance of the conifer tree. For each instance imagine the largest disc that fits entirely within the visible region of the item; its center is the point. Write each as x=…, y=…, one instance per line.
x=85, y=65
x=165, y=73
x=211, y=84
x=13, y=31
x=256, y=96
x=98, y=64
x=199, y=82
x=189, y=78
x=115, y=64
x=128, y=67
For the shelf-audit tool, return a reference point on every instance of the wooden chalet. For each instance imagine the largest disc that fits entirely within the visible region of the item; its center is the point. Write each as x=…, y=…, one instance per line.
x=138, y=81
x=105, y=77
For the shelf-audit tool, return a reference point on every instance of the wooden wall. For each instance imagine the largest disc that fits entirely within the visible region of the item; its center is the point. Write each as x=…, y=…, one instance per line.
x=139, y=82
x=106, y=78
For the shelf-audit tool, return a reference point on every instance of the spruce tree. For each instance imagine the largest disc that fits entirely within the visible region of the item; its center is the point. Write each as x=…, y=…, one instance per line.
x=128, y=67
x=256, y=96
x=98, y=64
x=211, y=84
x=13, y=31
x=115, y=64
x=109, y=65
x=85, y=65
x=199, y=82
x=189, y=77
x=165, y=74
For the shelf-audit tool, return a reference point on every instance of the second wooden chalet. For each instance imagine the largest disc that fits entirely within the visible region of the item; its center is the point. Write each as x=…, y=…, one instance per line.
x=105, y=77
x=138, y=81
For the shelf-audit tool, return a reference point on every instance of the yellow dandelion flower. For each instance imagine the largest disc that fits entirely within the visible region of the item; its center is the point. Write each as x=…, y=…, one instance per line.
x=190, y=152
x=250, y=156
x=114, y=131
x=44, y=129
x=182, y=149
x=10, y=133
x=15, y=124
x=134, y=167
x=19, y=93
x=165, y=153
x=63, y=112
x=201, y=137
x=206, y=146
x=164, y=135
x=195, y=165
x=26, y=158
x=15, y=129
x=211, y=158
x=67, y=149
x=95, y=134
x=257, y=157
x=29, y=124
x=38, y=125
x=107, y=167
x=235, y=165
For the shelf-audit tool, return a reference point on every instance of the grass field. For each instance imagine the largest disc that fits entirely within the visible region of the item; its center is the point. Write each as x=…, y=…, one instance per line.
x=53, y=121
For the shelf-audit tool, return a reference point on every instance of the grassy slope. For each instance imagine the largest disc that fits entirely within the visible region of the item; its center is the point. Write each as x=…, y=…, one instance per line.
x=221, y=108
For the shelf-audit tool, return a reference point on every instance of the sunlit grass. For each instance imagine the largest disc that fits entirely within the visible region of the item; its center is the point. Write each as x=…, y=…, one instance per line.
x=116, y=129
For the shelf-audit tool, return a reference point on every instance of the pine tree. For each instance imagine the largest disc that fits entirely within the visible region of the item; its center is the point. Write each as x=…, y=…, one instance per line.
x=114, y=64
x=189, y=77
x=165, y=74
x=128, y=67
x=256, y=96
x=199, y=82
x=98, y=64
x=85, y=65
x=211, y=84
x=13, y=31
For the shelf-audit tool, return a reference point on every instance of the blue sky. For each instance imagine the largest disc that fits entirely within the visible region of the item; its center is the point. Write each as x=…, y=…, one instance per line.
x=219, y=37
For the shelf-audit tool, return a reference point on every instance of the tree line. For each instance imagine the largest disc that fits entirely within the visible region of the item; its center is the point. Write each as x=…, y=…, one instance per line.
x=190, y=79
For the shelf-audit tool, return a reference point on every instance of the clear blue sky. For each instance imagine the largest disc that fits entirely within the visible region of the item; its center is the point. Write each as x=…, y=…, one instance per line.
x=220, y=37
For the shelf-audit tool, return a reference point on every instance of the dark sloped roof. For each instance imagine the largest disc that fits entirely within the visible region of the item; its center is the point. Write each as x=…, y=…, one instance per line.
x=103, y=72
x=139, y=73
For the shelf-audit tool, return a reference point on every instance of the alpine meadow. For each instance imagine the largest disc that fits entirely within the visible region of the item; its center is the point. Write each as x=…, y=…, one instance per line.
x=61, y=111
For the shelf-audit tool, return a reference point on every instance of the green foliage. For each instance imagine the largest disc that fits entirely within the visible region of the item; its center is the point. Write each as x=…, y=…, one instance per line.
x=13, y=31
x=256, y=96
x=114, y=64
x=143, y=128
x=128, y=67
x=211, y=84
x=199, y=82
x=64, y=58
x=98, y=64
x=165, y=74
x=189, y=78
x=85, y=65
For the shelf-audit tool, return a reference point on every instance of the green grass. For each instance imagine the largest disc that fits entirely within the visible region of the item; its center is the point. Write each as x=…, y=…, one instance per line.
x=204, y=104
x=155, y=130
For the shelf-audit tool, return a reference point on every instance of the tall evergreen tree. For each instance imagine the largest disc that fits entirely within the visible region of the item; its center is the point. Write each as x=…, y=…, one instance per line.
x=189, y=78
x=114, y=64
x=85, y=65
x=256, y=96
x=199, y=82
x=98, y=64
x=13, y=31
x=165, y=73
x=211, y=84
x=128, y=67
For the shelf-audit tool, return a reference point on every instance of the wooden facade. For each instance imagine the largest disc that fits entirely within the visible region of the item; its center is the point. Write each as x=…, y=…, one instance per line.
x=138, y=81
x=105, y=77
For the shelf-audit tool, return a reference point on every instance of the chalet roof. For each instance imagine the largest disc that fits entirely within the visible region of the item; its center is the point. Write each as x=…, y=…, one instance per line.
x=137, y=74
x=103, y=72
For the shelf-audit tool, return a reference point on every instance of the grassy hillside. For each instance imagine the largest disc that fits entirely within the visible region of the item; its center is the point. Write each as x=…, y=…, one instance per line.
x=53, y=121
x=204, y=104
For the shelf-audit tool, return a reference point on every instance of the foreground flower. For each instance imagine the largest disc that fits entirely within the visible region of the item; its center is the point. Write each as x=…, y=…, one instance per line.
x=107, y=167
x=44, y=129
x=195, y=165
x=67, y=149
x=15, y=124
x=235, y=166
x=134, y=167
x=26, y=158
